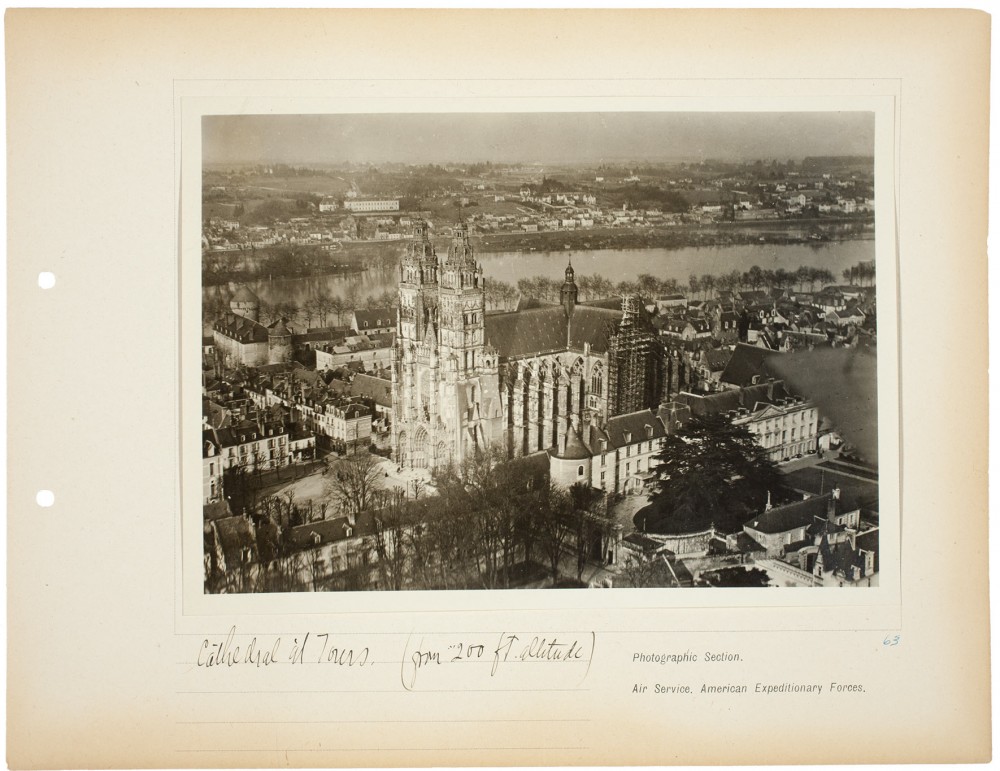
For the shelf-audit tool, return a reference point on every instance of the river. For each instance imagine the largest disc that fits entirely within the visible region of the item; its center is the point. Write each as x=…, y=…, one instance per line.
x=614, y=264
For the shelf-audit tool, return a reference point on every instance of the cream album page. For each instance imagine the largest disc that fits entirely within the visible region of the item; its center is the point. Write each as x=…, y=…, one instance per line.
x=487, y=388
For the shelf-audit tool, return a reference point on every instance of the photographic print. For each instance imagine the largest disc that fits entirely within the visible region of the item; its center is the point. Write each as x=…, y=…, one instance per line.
x=539, y=350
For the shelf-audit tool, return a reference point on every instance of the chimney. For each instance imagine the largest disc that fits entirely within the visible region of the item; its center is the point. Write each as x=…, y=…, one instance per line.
x=770, y=389
x=586, y=429
x=833, y=506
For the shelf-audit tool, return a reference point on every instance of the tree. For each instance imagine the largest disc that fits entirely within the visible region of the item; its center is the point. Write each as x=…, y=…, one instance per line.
x=389, y=299
x=283, y=574
x=640, y=572
x=324, y=306
x=392, y=523
x=600, y=286
x=553, y=525
x=259, y=462
x=240, y=485
x=338, y=307
x=626, y=288
x=708, y=285
x=783, y=278
x=288, y=310
x=314, y=308
x=351, y=297
x=711, y=471
x=495, y=497
x=591, y=522
x=286, y=508
x=267, y=313
x=354, y=481
x=441, y=550
x=649, y=285
x=670, y=286
x=489, y=478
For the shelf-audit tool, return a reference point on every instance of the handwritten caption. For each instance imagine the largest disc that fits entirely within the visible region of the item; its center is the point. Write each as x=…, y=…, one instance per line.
x=424, y=661
x=572, y=653
x=279, y=650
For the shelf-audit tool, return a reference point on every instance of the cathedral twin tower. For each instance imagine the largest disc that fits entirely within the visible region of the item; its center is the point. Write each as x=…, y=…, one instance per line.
x=445, y=381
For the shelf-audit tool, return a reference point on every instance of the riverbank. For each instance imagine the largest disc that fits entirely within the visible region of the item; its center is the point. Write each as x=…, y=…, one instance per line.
x=376, y=284
x=280, y=262
x=224, y=278
x=782, y=232
x=371, y=264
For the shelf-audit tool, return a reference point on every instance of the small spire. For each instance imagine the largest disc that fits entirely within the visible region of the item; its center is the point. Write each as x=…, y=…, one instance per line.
x=767, y=506
x=569, y=293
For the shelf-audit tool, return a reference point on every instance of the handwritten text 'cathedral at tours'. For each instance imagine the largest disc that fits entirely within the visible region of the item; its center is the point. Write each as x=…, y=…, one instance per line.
x=426, y=656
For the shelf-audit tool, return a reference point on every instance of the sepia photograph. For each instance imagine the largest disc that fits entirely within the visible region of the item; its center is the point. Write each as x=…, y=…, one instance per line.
x=539, y=351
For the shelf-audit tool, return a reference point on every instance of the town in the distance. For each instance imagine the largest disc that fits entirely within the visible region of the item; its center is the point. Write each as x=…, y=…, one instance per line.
x=517, y=376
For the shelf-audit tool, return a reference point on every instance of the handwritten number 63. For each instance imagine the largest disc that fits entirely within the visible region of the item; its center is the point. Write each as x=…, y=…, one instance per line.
x=891, y=640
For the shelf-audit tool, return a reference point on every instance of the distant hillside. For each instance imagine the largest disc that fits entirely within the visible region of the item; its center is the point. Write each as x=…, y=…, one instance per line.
x=836, y=162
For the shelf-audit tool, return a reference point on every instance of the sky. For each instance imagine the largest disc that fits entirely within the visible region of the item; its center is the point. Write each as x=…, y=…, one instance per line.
x=533, y=137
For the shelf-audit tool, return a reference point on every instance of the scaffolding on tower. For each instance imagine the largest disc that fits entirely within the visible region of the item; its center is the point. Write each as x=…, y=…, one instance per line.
x=632, y=384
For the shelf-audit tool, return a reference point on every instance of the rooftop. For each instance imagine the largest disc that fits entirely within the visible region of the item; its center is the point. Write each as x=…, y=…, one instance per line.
x=747, y=363
x=548, y=328
x=803, y=513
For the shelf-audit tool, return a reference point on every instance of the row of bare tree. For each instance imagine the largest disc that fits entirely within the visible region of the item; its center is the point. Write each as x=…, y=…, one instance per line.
x=491, y=519
x=596, y=286
x=493, y=523
x=322, y=308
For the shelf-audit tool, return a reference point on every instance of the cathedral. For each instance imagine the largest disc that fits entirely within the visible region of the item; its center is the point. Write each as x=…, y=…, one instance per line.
x=529, y=381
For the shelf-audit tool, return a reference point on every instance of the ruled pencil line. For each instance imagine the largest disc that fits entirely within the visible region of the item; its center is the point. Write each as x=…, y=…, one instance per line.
x=382, y=749
x=393, y=690
x=380, y=721
x=811, y=630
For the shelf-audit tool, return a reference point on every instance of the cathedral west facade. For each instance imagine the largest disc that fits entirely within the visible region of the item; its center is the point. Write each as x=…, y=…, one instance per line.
x=529, y=381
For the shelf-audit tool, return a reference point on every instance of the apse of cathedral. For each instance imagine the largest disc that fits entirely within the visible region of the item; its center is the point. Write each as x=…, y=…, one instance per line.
x=526, y=380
